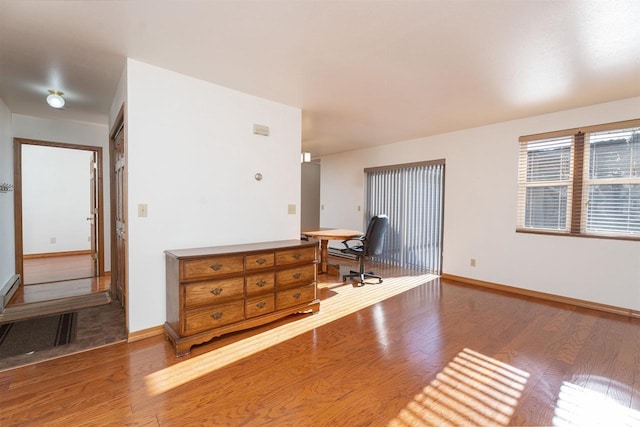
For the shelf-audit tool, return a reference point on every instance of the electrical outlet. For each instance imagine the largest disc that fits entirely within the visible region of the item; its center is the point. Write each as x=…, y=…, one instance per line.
x=473, y=262
x=358, y=208
x=53, y=240
x=292, y=209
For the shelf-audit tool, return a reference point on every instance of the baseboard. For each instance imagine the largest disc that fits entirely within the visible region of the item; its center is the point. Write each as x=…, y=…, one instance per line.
x=545, y=296
x=145, y=333
x=56, y=254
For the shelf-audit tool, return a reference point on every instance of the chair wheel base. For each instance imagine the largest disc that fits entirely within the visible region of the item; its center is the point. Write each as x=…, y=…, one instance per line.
x=361, y=277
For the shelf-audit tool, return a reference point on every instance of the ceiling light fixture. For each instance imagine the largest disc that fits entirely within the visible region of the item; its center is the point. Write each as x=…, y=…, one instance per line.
x=55, y=99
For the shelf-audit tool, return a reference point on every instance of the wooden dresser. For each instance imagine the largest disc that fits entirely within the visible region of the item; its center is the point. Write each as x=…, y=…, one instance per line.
x=217, y=290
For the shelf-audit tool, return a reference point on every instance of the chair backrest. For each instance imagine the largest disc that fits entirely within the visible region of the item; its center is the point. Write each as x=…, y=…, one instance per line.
x=375, y=235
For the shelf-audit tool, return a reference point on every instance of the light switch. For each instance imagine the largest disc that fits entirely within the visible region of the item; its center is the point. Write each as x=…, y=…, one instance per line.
x=292, y=209
x=142, y=210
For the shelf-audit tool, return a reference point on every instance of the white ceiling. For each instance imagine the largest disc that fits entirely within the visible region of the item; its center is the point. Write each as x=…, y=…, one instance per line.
x=364, y=73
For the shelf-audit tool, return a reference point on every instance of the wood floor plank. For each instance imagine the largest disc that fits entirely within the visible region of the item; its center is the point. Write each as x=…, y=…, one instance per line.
x=52, y=269
x=437, y=353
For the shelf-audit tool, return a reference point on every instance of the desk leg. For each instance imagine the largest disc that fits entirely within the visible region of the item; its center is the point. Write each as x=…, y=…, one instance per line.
x=324, y=254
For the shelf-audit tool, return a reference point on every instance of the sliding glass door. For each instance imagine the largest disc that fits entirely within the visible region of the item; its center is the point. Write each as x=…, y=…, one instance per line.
x=412, y=195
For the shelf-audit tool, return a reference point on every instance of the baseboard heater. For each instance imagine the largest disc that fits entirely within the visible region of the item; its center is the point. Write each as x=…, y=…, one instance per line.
x=336, y=252
x=8, y=290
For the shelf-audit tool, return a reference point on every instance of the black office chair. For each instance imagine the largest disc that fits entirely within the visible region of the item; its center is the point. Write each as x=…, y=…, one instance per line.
x=368, y=245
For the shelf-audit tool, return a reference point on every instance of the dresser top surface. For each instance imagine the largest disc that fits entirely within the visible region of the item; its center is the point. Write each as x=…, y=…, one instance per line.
x=243, y=248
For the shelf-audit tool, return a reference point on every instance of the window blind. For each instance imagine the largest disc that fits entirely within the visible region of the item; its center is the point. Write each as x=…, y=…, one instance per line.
x=412, y=196
x=581, y=182
x=544, y=185
x=612, y=182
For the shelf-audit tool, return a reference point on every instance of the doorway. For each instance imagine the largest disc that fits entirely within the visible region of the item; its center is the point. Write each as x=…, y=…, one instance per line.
x=58, y=213
x=412, y=195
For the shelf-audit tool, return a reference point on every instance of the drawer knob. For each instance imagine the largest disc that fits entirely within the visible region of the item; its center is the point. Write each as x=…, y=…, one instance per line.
x=297, y=256
x=261, y=304
x=216, y=267
x=261, y=261
x=296, y=276
x=217, y=315
x=297, y=295
x=261, y=283
x=216, y=291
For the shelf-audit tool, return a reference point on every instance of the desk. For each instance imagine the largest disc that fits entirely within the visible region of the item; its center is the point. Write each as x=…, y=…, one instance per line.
x=329, y=234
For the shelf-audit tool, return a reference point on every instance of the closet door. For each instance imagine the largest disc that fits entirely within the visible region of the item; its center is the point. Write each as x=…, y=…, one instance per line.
x=119, y=218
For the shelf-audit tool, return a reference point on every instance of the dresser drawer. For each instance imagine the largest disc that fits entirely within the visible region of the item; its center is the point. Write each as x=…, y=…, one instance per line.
x=260, y=305
x=213, y=317
x=212, y=291
x=295, y=296
x=297, y=276
x=260, y=283
x=211, y=267
x=257, y=261
x=295, y=256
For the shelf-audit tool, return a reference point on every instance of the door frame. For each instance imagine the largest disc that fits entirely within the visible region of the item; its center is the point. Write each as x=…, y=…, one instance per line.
x=17, y=198
x=93, y=194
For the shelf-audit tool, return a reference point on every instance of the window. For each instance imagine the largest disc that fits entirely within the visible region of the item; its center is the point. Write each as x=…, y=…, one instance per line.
x=612, y=182
x=581, y=182
x=547, y=183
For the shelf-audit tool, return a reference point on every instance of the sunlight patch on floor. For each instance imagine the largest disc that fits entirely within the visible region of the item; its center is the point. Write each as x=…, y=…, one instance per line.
x=579, y=406
x=346, y=300
x=473, y=389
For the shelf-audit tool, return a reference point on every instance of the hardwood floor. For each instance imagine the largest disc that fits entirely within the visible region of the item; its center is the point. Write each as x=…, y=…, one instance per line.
x=435, y=353
x=57, y=297
x=57, y=290
x=56, y=268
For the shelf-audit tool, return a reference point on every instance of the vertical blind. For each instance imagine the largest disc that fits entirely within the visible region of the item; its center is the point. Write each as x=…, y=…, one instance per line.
x=412, y=196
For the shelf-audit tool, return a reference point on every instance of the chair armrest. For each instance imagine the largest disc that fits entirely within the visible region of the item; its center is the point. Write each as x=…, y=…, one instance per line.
x=360, y=240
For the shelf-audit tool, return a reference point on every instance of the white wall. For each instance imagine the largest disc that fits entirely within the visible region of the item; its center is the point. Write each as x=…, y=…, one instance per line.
x=7, y=246
x=71, y=132
x=55, y=199
x=119, y=98
x=192, y=158
x=480, y=209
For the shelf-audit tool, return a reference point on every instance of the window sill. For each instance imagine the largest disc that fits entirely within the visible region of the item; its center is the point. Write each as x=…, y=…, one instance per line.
x=564, y=234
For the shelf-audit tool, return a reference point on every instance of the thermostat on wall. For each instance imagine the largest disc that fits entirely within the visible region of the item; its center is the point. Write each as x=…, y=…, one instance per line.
x=261, y=129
